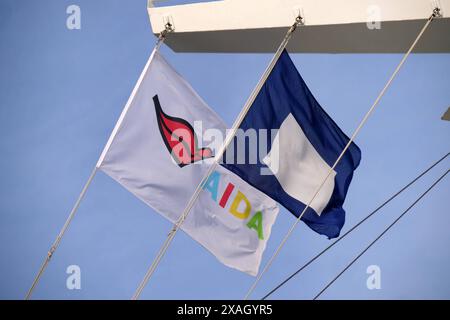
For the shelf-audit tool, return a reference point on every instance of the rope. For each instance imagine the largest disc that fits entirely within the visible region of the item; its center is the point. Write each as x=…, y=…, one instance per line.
x=354, y=227
x=381, y=235
x=229, y=138
x=362, y=123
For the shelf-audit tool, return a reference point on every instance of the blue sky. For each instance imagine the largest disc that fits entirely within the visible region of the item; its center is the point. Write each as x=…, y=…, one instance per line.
x=61, y=92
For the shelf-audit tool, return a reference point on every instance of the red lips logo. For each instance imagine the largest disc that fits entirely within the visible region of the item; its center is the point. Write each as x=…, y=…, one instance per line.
x=179, y=138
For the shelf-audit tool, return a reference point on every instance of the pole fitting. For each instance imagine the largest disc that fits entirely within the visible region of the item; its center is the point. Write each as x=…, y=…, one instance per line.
x=51, y=252
x=168, y=28
x=437, y=13
x=174, y=229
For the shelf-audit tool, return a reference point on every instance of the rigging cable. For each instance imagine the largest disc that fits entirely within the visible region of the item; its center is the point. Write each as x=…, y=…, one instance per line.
x=355, y=227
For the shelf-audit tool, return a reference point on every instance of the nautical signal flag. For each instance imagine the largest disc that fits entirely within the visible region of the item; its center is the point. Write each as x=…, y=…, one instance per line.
x=306, y=145
x=157, y=155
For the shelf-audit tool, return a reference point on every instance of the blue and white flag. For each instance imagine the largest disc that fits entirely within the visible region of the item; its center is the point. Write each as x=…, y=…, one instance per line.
x=303, y=148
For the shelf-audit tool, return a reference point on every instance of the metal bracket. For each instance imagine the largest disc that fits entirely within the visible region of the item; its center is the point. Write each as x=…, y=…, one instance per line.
x=299, y=15
x=168, y=28
x=168, y=23
x=437, y=8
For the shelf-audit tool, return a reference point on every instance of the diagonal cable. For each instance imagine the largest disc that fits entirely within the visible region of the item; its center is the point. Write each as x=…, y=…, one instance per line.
x=355, y=227
x=381, y=234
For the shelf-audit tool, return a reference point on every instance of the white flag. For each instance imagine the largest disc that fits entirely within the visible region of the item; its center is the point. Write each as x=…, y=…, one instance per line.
x=156, y=152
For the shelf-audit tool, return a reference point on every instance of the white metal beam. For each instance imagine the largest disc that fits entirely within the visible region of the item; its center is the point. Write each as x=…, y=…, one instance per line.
x=331, y=26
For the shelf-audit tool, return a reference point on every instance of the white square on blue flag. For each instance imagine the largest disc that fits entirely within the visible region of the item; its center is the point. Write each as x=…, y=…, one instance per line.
x=302, y=152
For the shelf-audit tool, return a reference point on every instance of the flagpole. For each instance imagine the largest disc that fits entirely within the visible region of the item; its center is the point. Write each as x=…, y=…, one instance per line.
x=435, y=14
x=217, y=158
x=55, y=245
